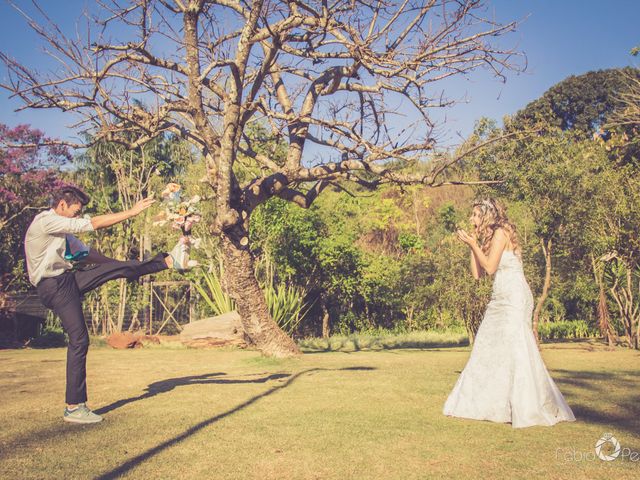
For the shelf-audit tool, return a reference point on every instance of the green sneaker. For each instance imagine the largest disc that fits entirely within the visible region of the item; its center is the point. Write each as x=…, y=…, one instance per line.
x=81, y=414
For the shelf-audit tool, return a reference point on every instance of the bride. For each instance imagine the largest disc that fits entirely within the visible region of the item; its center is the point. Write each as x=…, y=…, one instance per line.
x=505, y=379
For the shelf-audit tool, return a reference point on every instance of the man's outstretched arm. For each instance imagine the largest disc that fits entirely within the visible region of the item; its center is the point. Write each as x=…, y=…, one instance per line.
x=104, y=221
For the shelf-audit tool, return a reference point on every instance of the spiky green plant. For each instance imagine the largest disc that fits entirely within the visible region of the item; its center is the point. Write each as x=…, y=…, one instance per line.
x=213, y=294
x=286, y=305
x=285, y=302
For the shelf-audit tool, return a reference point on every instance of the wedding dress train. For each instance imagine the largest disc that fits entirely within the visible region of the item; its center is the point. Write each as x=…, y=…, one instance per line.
x=505, y=379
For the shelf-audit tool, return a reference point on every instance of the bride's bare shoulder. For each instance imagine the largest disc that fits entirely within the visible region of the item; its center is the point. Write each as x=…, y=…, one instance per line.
x=501, y=235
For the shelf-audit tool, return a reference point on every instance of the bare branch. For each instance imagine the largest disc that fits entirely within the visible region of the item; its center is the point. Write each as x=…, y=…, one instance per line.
x=355, y=79
x=303, y=200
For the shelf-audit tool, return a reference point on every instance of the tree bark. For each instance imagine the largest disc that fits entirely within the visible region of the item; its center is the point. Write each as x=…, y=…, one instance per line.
x=629, y=313
x=602, y=309
x=325, y=321
x=632, y=309
x=241, y=284
x=145, y=251
x=603, y=318
x=122, y=298
x=546, y=249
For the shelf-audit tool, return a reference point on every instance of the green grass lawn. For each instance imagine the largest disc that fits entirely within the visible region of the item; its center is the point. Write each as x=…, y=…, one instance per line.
x=183, y=413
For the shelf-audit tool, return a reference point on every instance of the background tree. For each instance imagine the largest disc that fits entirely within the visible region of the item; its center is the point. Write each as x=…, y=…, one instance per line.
x=118, y=178
x=584, y=104
x=27, y=175
x=319, y=75
x=620, y=254
x=560, y=180
x=624, y=123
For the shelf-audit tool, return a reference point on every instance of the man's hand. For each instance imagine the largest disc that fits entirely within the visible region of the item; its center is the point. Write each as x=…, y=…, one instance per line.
x=104, y=221
x=142, y=205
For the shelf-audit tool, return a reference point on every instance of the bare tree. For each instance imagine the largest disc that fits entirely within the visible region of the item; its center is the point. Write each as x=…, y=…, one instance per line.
x=325, y=77
x=628, y=117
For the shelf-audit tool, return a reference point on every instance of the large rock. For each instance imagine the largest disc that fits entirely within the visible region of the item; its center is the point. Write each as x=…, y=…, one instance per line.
x=225, y=329
x=122, y=340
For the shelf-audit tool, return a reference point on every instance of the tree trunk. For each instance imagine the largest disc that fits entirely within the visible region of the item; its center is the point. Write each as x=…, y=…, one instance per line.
x=619, y=295
x=325, y=321
x=546, y=249
x=632, y=309
x=241, y=284
x=145, y=252
x=623, y=295
x=604, y=319
x=122, y=299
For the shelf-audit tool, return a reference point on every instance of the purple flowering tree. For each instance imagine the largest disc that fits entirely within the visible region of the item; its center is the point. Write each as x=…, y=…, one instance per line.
x=29, y=169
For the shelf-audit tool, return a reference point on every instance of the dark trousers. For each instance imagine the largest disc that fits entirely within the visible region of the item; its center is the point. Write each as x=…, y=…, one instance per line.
x=63, y=295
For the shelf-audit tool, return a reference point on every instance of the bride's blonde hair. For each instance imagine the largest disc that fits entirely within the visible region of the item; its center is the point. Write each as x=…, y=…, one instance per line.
x=493, y=216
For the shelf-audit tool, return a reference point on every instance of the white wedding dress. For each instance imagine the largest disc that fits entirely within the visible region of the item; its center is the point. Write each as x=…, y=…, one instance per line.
x=505, y=379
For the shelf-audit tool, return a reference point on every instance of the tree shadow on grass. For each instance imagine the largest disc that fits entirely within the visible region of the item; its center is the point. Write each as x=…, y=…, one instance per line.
x=59, y=431
x=589, y=344
x=167, y=385
x=137, y=460
x=350, y=345
x=596, y=386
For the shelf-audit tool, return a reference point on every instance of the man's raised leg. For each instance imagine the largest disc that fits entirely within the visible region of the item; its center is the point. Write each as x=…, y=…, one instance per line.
x=92, y=278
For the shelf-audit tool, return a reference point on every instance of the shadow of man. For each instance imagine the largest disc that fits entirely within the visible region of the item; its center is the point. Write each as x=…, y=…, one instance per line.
x=169, y=384
x=128, y=465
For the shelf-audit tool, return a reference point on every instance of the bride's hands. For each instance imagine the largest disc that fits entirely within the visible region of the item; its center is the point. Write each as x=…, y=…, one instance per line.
x=465, y=237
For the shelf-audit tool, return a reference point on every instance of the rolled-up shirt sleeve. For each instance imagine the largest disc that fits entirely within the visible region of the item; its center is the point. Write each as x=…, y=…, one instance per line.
x=58, y=224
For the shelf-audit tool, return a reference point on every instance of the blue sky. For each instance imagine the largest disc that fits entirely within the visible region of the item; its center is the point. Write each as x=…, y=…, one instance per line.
x=559, y=37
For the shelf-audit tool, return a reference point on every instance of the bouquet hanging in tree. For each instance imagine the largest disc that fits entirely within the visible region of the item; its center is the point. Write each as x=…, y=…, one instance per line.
x=182, y=215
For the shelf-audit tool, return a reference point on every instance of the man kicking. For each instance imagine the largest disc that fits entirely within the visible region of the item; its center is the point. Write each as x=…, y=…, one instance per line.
x=51, y=249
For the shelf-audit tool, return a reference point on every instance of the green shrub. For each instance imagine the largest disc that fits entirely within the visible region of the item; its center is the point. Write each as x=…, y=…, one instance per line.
x=565, y=329
x=384, y=339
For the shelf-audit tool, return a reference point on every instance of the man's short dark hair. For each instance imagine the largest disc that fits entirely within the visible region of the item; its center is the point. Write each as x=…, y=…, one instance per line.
x=70, y=195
